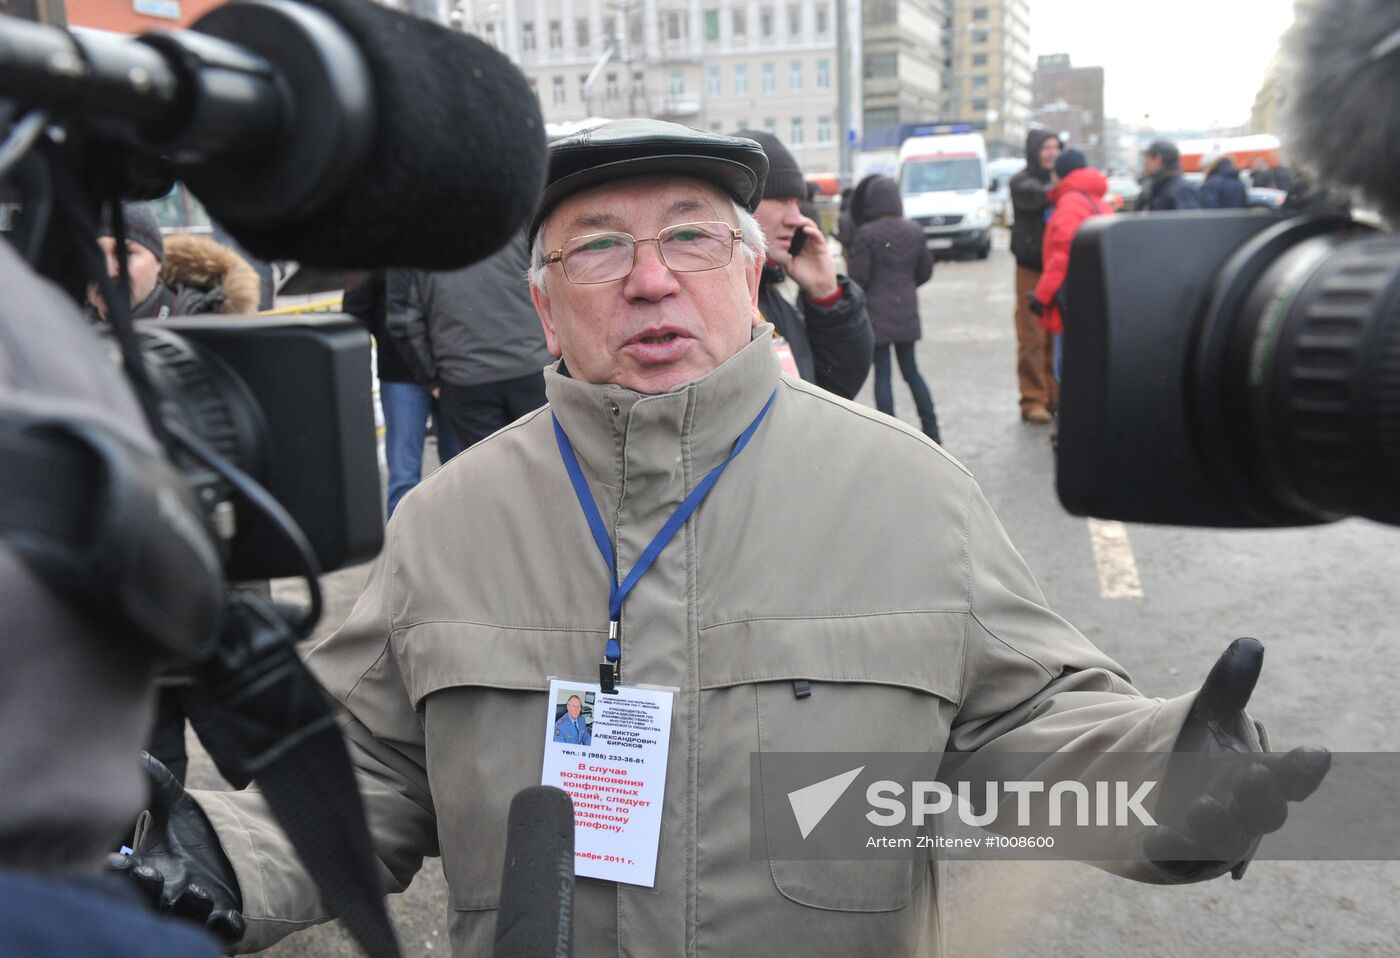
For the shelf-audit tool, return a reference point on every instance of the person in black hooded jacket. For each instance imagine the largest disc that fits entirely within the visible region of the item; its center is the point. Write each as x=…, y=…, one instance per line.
x=1223, y=188
x=825, y=336
x=1030, y=202
x=890, y=260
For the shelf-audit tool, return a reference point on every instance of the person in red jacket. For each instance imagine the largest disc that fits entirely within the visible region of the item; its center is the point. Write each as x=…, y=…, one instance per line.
x=1077, y=192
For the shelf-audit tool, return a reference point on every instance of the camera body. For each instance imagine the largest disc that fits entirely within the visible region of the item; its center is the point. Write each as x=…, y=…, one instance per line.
x=1234, y=369
x=288, y=400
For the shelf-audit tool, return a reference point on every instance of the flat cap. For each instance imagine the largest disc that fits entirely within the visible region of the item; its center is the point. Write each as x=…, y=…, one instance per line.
x=637, y=147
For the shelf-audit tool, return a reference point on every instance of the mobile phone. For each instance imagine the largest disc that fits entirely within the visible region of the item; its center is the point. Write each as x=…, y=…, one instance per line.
x=799, y=240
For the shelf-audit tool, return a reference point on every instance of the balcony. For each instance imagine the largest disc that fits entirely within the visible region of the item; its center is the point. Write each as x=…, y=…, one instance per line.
x=665, y=106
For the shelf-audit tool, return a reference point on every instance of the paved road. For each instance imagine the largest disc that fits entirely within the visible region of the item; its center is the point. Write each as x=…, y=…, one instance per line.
x=1322, y=600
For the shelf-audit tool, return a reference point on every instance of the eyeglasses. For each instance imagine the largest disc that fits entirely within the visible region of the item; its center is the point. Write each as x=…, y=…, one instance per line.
x=684, y=248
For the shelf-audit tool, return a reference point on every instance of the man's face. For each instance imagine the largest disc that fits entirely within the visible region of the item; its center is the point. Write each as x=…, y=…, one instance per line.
x=780, y=219
x=1152, y=164
x=574, y=706
x=141, y=263
x=1049, y=152
x=654, y=329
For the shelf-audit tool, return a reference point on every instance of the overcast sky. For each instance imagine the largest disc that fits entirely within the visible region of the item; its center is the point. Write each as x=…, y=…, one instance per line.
x=1187, y=63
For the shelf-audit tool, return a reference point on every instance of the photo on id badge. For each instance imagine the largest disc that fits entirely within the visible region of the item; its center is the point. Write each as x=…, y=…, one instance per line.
x=573, y=717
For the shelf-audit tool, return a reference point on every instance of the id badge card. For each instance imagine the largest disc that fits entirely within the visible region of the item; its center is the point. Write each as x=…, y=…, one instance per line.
x=609, y=752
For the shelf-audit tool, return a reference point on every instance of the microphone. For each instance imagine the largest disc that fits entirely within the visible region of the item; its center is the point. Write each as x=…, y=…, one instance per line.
x=536, y=919
x=337, y=133
x=1344, y=82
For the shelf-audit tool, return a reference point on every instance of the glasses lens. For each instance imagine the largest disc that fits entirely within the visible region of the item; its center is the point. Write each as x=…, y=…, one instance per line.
x=599, y=258
x=691, y=247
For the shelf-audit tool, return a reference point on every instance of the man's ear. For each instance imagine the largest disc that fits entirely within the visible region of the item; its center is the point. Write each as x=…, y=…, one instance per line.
x=753, y=275
x=541, y=300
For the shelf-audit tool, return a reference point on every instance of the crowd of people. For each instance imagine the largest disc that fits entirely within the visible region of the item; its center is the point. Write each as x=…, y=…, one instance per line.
x=670, y=307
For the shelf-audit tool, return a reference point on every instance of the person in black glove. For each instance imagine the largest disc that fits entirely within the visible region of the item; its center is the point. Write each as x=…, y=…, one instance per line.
x=177, y=861
x=1214, y=831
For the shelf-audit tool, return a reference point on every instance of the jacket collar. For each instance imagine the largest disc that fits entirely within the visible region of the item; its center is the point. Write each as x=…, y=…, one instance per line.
x=698, y=420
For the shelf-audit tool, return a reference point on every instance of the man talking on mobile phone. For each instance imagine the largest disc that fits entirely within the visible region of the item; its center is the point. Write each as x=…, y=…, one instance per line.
x=823, y=335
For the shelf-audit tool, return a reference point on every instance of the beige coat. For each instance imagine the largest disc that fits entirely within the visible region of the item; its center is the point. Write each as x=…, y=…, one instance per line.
x=841, y=547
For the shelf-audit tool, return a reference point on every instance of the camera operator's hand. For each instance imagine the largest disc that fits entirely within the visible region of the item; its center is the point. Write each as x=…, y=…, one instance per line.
x=1212, y=832
x=177, y=860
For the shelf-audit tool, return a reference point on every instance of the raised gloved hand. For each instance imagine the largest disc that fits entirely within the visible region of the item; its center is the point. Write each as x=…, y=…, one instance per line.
x=1210, y=832
x=177, y=861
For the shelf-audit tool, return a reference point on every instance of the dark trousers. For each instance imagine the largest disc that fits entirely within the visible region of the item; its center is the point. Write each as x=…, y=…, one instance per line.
x=475, y=412
x=909, y=369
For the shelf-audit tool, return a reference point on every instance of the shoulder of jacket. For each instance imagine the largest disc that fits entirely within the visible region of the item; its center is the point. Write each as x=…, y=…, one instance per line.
x=206, y=264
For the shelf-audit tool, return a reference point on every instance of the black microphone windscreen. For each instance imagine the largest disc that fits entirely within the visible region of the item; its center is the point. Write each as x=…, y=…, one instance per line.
x=535, y=919
x=457, y=164
x=1340, y=116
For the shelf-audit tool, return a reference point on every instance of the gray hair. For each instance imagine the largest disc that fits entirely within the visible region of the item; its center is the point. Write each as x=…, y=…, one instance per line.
x=755, y=246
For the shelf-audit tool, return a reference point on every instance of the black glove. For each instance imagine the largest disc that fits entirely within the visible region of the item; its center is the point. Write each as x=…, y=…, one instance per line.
x=1250, y=799
x=1037, y=306
x=177, y=861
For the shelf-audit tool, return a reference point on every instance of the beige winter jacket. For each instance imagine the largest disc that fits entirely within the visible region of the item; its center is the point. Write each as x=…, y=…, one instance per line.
x=841, y=547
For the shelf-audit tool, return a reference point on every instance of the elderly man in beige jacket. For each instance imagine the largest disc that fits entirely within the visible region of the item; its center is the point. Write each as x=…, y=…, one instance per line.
x=907, y=615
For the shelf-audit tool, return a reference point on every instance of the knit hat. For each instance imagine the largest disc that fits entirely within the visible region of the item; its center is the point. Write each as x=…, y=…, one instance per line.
x=784, y=175
x=1069, y=161
x=141, y=227
x=1167, y=150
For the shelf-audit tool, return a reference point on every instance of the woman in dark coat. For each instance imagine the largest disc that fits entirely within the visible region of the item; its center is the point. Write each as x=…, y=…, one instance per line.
x=889, y=259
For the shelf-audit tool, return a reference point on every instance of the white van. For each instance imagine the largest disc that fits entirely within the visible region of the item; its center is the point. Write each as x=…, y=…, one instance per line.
x=944, y=183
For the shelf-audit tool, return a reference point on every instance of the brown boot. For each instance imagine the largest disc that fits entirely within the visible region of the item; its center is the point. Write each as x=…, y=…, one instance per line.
x=1038, y=415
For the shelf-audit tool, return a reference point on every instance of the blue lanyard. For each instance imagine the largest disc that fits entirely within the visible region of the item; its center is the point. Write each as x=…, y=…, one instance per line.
x=611, y=669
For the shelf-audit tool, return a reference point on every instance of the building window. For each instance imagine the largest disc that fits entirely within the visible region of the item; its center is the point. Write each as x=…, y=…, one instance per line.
x=770, y=126
x=979, y=82
x=822, y=23
x=979, y=13
x=716, y=126
x=638, y=31
x=741, y=125
x=583, y=87
x=675, y=83
x=741, y=22
x=979, y=59
x=795, y=136
x=558, y=92
x=879, y=65
x=712, y=81
x=880, y=118
x=765, y=22
x=673, y=26
x=823, y=74
x=795, y=75
x=556, y=35
x=609, y=30
x=639, y=83
x=979, y=36
x=712, y=25
x=794, y=20
x=581, y=32
x=823, y=130
x=979, y=105
x=527, y=36
x=766, y=82
x=741, y=78
x=612, y=91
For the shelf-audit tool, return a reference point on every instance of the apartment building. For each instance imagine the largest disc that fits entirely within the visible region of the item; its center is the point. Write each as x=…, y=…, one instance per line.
x=991, y=70
x=721, y=65
x=906, y=61
x=1062, y=88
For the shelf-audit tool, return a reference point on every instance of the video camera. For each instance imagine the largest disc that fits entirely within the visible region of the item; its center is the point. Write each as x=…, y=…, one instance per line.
x=1242, y=369
x=330, y=132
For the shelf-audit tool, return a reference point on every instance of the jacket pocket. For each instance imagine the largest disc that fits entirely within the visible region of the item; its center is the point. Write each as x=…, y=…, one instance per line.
x=879, y=683
x=481, y=690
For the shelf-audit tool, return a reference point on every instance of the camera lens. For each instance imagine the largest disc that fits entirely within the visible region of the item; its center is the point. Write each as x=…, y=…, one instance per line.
x=1299, y=362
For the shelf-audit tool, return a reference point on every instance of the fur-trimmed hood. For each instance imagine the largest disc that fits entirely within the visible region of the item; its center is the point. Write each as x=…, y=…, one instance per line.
x=210, y=272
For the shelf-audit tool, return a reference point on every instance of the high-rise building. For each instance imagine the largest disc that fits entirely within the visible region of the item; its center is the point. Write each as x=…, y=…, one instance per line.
x=991, y=70
x=722, y=65
x=904, y=46
x=1064, y=88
